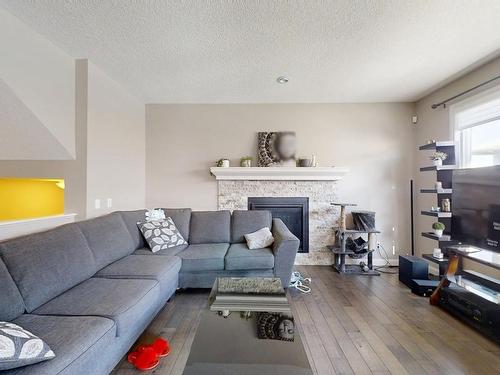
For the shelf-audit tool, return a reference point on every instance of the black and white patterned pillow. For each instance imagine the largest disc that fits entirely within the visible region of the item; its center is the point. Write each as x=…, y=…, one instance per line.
x=19, y=347
x=161, y=235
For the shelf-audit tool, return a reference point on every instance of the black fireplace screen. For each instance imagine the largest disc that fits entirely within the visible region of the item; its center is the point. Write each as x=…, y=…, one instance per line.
x=294, y=211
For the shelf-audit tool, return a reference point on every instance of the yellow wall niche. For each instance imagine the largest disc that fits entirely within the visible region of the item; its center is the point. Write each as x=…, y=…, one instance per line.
x=23, y=198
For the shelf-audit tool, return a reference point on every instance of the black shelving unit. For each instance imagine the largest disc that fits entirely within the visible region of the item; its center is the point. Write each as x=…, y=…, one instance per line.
x=444, y=174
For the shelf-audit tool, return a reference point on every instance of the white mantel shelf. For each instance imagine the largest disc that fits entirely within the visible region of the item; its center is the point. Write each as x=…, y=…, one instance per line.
x=279, y=173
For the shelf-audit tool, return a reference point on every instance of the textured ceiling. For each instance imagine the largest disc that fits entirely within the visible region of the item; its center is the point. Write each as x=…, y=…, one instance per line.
x=232, y=51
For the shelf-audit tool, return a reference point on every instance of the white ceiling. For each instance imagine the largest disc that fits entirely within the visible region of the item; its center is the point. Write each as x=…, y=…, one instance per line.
x=223, y=51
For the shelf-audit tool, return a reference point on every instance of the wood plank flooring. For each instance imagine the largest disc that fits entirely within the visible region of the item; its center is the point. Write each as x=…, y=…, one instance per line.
x=349, y=325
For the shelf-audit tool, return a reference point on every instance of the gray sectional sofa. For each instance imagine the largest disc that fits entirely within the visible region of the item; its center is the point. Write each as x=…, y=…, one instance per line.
x=89, y=289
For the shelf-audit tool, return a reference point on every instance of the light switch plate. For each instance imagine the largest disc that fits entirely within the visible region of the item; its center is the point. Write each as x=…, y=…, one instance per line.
x=110, y=202
x=97, y=204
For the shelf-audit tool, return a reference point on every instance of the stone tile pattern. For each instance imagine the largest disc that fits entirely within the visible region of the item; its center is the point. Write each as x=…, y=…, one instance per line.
x=233, y=195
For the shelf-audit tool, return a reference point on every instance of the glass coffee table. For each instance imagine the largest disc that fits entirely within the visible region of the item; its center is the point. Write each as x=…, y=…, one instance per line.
x=250, y=341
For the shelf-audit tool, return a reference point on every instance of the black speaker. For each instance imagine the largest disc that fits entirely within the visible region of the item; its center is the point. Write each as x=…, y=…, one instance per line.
x=411, y=267
x=424, y=287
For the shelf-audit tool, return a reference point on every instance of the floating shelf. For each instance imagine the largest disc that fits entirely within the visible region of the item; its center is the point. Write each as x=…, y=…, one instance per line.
x=434, y=145
x=432, y=236
x=431, y=258
x=446, y=167
x=436, y=213
x=436, y=191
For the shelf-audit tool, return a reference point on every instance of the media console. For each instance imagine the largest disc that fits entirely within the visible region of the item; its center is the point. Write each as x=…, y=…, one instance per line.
x=470, y=295
x=478, y=312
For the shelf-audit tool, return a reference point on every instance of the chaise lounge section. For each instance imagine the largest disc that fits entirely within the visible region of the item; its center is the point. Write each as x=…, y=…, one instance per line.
x=89, y=289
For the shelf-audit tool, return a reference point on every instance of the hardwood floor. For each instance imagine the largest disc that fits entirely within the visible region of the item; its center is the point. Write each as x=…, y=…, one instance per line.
x=350, y=325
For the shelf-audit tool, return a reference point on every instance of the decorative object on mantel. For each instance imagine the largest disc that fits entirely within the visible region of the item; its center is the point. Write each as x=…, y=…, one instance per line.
x=438, y=185
x=305, y=162
x=224, y=163
x=246, y=161
x=438, y=228
x=276, y=149
x=438, y=157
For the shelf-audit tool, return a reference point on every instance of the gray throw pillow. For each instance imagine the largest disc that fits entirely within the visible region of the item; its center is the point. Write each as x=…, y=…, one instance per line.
x=19, y=347
x=161, y=235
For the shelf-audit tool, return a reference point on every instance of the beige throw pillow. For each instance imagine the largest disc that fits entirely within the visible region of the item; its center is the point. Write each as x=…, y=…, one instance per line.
x=257, y=240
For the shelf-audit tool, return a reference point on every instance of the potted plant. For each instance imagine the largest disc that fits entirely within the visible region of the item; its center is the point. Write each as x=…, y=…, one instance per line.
x=438, y=228
x=246, y=161
x=223, y=163
x=438, y=157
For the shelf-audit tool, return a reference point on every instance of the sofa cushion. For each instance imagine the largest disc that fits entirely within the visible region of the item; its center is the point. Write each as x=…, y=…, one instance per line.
x=43, y=265
x=123, y=300
x=162, y=269
x=168, y=252
x=20, y=347
x=210, y=227
x=12, y=304
x=240, y=257
x=131, y=218
x=77, y=342
x=181, y=218
x=203, y=257
x=161, y=235
x=244, y=222
x=108, y=238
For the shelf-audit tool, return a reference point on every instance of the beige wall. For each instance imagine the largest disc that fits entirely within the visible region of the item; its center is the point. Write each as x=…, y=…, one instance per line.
x=110, y=149
x=42, y=77
x=374, y=141
x=115, y=146
x=73, y=171
x=434, y=124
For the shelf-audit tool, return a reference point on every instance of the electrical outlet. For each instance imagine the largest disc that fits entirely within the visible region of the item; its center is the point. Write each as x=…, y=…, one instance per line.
x=97, y=204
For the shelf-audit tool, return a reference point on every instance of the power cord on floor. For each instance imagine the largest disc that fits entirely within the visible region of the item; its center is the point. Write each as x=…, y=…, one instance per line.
x=384, y=256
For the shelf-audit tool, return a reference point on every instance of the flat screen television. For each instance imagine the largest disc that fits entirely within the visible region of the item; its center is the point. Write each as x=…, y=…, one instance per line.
x=476, y=207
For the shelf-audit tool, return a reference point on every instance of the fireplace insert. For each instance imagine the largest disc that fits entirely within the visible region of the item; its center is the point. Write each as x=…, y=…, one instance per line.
x=294, y=211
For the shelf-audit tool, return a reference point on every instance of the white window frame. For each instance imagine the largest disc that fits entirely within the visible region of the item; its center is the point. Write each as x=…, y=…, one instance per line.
x=461, y=142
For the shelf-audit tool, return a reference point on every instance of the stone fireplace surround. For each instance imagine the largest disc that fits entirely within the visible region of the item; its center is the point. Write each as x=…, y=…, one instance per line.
x=235, y=185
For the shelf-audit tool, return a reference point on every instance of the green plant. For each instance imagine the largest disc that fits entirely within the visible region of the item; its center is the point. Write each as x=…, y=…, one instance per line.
x=438, y=226
x=438, y=155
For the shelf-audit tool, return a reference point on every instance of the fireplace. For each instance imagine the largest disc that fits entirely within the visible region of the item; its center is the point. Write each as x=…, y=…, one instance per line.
x=294, y=211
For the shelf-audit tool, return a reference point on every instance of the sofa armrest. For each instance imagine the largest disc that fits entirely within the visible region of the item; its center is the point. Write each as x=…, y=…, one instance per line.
x=285, y=248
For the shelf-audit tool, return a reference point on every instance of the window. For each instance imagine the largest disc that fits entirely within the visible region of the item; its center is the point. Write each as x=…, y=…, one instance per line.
x=475, y=123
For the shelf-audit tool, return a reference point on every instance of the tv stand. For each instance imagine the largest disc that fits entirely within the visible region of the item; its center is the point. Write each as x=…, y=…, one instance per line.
x=470, y=295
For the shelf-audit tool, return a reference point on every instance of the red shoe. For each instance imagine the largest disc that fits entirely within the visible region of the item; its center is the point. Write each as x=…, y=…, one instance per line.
x=161, y=346
x=145, y=358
